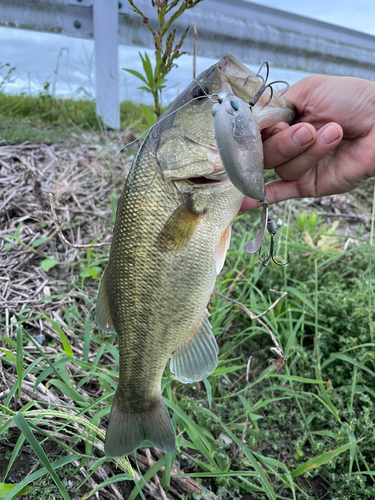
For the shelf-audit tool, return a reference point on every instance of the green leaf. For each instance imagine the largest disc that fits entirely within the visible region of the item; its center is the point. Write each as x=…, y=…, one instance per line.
x=61, y=462
x=69, y=391
x=347, y=359
x=147, y=89
x=95, y=272
x=87, y=339
x=48, y=264
x=157, y=67
x=8, y=354
x=65, y=342
x=107, y=482
x=6, y=488
x=146, y=477
x=159, y=83
x=137, y=74
x=147, y=69
x=114, y=202
x=8, y=246
x=209, y=391
x=315, y=462
x=40, y=241
x=296, y=293
x=19, y=359
x=148, y=114
x=15, y=453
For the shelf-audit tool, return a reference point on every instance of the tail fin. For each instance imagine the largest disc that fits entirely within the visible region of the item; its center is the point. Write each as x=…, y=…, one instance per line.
x=127, y=431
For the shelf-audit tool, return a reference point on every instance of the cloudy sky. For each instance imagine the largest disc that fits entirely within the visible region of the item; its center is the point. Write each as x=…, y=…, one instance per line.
x=67, y=63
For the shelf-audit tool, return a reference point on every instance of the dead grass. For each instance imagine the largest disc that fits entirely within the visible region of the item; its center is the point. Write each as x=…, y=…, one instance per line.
x=82, y=174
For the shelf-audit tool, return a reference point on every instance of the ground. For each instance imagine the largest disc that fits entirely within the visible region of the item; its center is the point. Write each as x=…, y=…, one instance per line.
x=244, y=429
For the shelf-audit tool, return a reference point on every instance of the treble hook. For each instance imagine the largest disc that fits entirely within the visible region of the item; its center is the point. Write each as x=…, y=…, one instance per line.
x=265, y=86
x=272, y=229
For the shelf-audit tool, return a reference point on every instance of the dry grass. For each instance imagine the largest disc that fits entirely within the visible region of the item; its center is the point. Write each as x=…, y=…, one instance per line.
x=82, y=175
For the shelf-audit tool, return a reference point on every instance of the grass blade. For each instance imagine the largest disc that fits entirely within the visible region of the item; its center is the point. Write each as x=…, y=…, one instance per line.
x=315, y=462
x=39, y=473
x=64, y=340
x=23, y=426
x=19, y=359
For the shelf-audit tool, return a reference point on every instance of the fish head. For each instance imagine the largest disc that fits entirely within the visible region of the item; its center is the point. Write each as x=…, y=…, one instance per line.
x=184, y=135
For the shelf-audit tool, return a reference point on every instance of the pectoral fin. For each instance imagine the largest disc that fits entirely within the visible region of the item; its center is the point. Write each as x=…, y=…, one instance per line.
x=180, y=226
x=197, y=358
x=102, y=315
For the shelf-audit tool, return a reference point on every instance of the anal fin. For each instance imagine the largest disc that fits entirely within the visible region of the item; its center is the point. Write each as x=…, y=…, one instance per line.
x=102, y=314
x=197, y=357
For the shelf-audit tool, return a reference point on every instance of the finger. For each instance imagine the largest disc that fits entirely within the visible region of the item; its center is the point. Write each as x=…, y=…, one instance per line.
x=275, y=129
x=286, y=143
x=275, y=191
x=328, y=137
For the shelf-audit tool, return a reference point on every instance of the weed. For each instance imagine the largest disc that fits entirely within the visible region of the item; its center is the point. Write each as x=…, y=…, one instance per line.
x=165, y=53
x=245, y=432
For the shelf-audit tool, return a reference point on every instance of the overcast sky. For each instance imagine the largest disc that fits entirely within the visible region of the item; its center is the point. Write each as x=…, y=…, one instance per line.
x=359, y=16
x=36, y=55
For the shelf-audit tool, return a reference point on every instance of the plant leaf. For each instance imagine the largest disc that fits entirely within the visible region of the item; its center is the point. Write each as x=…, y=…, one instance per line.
x=19, y=359
x=6, y=488
x=148, y=114
x=40, y=241
x=48, y=264
x=315, y=462
x=23, y=426
x=64, y=340
x=137, y=74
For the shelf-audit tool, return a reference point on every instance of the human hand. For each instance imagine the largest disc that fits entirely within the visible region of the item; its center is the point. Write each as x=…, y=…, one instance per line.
x=332, y=147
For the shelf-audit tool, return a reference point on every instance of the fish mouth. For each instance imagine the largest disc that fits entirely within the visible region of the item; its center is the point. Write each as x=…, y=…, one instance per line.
x=214, y=178
x=217, y=175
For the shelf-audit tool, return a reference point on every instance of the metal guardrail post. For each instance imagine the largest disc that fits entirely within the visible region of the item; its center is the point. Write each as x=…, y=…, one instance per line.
x=105, y=17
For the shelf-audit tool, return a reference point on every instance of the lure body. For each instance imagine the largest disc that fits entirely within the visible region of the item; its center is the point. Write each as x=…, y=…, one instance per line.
x=239, y=144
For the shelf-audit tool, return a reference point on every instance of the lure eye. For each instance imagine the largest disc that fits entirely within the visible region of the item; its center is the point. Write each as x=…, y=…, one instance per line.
x=234, y=105
x=199, y=91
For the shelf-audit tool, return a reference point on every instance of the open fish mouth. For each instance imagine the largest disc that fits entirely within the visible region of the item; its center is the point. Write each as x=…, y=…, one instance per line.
x=214, y=178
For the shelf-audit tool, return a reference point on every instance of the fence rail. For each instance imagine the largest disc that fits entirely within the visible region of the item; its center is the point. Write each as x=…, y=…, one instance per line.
x=254, y=33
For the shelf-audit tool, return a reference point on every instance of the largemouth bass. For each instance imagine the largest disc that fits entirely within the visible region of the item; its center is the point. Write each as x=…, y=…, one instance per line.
x=171, y=235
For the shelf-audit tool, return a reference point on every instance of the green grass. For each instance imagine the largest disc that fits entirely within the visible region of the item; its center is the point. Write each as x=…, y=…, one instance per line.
x=44, y=118
x=304, y=433
x=301, y=433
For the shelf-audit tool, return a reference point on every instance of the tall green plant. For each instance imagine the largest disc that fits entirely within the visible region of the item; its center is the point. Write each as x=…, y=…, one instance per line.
x=166, y=51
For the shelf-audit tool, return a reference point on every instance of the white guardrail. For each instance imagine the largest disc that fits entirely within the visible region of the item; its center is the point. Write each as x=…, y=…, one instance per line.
x=252, y=32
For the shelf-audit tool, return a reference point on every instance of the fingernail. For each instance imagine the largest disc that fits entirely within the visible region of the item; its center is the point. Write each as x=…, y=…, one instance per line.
x=302, y=136
x=328, y=135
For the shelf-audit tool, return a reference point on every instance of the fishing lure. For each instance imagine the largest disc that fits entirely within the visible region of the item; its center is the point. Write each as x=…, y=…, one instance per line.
x=240, y=148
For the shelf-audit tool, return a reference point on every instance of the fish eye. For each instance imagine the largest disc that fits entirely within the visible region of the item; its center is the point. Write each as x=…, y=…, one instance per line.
x=234, y=105
x=199, y=91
